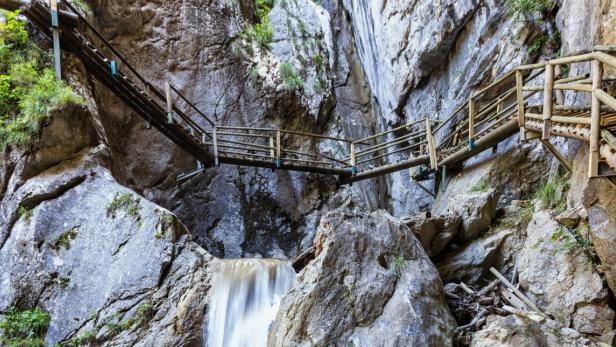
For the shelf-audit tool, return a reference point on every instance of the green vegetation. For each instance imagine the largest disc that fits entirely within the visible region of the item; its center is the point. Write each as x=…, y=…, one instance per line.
x=261, y=32
x=519, y=218
x=399, y=263
x=481, y=186
x=164, y=224
x=83, y=6
x=144, y=313
x=24, y=328
x=63, y=240
x=552, y=193
x=24, y=212
x=536, y=45
x=64, y=282
x=319, y=86
x=318, y=60
x=124, y=202
x=290, y=78
x=29, y=93
x=521, y=8
x=569, y=241
x=253, y=72
x=82, y=340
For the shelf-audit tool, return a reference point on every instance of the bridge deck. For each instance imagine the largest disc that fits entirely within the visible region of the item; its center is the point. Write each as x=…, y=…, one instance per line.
x=490, y=116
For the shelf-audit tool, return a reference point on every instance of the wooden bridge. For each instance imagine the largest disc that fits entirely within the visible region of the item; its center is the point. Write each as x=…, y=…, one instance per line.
x=530, y=100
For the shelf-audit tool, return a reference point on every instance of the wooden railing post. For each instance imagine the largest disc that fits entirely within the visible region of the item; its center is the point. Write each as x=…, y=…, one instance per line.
x=215, y=143
x=431, y=145
x=353, y=159
x=471, y=123
x=519, y=82
x=548, y=96
x=560, y=94
x=148, y=95
x=169, y=103
x=595, y=119
x=278, y=161
x=272, y=148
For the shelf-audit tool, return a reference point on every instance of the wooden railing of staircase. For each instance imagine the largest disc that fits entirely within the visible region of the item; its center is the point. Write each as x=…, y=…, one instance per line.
x=529, y=100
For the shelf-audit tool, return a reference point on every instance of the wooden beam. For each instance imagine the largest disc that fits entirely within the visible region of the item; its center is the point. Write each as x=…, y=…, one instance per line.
x=557, y=154
x=548, y=100
x=215, y=142
x=278, y=160
x=595, y=119
x=431, y=145
x=519, y=82
x=471, y=123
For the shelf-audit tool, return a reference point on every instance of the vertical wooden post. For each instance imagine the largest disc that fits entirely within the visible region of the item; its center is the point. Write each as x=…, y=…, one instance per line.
x=548, y=95
x=272, y=148
x=595, y=119
x=203, y=137
x=215, y=142
x=519, y=82
x=169, y=103
x=148, y=96
x=560, y=94
x=278, y=149
x=353, y=159
x=471, y=123
x=55, y=31
x=431, y=146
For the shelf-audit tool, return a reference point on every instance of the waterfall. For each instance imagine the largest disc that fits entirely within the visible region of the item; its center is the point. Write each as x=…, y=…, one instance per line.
x=245, y=300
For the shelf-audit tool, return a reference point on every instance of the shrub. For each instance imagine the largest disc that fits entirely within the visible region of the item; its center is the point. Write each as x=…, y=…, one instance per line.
x=522, y=8
x=24, y=212
x=261, y=32
x=569, y=241
x=24, y=328
x=29, y=91
x=399, y=263
x=290, y=78
x=553, y=193
x=63, y=240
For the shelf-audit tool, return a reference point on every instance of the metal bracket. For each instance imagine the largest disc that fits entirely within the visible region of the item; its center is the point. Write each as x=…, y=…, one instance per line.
x=471, y=144
x=113, y=67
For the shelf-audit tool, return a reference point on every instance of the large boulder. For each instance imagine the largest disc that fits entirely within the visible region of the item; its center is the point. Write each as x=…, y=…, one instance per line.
x=477, y=210
x=108, y=265
x=371, y=283
x=512, y=331
x=472, y=262
x=558, y=275
x=601, y=206
x=434, y=233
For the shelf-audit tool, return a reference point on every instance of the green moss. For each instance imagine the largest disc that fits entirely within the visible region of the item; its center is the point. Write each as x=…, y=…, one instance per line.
x=399, y=263
x=290, y=78
x=481, y=186
x=63, y=240
x=124, y=202
x=83, y=6
x=82, y=340
x=24, y=328
x=144, y=313
x=29, y=92
x=24, y=212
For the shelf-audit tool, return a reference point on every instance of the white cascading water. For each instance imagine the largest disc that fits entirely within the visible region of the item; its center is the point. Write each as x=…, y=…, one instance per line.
x=245, y=300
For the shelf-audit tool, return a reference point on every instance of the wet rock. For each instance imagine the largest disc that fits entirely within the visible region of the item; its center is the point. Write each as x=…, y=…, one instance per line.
x=514, y=331
x=370, y=284
x=434, y=233
x=558, y=276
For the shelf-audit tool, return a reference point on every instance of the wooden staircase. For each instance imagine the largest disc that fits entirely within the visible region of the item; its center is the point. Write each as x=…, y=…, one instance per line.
x=510, y=105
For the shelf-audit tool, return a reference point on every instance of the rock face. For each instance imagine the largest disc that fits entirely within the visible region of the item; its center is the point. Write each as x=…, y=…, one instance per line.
x=477, y=210
x=99, y=257
x=512, y=331
x=434, y=233
x=560, y=278
x=370, y=284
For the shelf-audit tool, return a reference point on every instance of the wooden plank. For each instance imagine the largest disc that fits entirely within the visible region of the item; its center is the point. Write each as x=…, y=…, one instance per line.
x=215, y=140
x=605, y=98
x=516, y=291
x=548, y=96
x=595, y=119
x=471, y=123
x=608, y=137
x=571, y=120
x=574, y=86
x=519, y=82
x=431, y=145
x=272, y=147
x=169, y=103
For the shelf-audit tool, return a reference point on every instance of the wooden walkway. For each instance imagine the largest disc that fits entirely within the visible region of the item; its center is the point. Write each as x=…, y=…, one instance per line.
x=529, y=100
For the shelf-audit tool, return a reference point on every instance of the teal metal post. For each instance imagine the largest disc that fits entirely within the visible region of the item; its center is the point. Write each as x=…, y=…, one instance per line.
x=444, y=178
x=55, y=32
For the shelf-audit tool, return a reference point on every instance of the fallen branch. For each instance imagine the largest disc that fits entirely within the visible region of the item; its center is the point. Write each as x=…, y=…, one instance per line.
x=518, y=293
x=534, y=316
